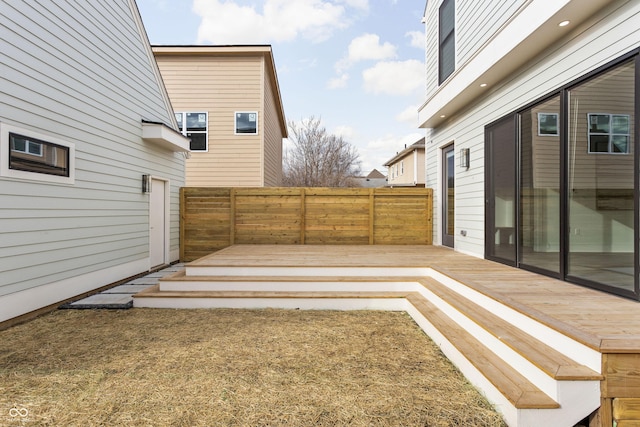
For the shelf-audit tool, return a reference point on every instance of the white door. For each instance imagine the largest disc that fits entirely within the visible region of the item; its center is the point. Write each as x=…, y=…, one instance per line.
x=157, y=220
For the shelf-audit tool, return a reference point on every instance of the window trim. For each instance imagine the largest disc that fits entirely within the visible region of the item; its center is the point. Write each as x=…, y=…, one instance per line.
x=235, y=123
x=5, y=147
x=184, y=131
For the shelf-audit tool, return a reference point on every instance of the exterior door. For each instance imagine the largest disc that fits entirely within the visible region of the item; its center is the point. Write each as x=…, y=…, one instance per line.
x=448, y=196
x=157, y=220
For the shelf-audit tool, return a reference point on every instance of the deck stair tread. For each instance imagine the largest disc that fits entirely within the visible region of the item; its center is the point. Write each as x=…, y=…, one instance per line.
x=181, y=276
x=513, y=385
x=546, y=358
x=155, y=292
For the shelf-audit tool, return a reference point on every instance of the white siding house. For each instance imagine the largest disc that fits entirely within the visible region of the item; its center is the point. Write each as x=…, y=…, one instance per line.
x=541, y=98
x=83, y=116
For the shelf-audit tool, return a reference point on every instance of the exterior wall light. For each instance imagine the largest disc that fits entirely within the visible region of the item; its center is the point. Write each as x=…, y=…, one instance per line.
x=146, y=183
x=464, y=158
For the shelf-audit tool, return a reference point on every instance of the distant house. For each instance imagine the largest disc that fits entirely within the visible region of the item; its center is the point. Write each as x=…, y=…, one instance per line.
x=407, y=168
x=532, y=127
x=374, y=179
x=84, y=121
x=227, y=100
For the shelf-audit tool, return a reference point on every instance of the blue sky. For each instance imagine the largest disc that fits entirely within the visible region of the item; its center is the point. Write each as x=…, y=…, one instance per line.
x=356, y=64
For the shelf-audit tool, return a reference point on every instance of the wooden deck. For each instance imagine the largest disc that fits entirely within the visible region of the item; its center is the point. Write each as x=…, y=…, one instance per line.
x=599, y=320
x=601, y=324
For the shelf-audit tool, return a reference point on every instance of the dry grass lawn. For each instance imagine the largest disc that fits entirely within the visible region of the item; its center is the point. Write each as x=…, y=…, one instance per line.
x=146, y=367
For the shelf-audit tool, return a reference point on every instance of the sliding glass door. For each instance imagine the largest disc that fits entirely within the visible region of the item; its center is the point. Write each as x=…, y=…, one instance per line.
x=601, y=179
x=500, y=194
x=540, y=190
x=562, y=179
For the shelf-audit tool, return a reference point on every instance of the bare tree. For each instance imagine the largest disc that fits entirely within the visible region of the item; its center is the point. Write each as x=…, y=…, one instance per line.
x=317, y=158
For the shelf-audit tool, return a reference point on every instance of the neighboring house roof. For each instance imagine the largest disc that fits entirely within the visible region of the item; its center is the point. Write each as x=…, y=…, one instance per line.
x=375, y=174
x=233, y=50
x=410, y=149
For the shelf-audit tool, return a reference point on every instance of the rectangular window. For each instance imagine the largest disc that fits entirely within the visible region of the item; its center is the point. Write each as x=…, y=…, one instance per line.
x=246, y=122
x=33, y=156
x=402, y=167
x=446, y=40
x=195, y=126
x=608, y=133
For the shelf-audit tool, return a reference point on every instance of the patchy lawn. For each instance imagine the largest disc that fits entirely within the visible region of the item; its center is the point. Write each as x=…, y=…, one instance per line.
x=151, y=367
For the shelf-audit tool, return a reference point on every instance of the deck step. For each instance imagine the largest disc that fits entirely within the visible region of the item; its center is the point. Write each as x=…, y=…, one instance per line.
x=550, y=361
x=514, y=387
x=155, y=292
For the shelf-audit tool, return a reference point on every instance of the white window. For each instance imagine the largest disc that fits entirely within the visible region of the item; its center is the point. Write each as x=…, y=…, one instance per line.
x=608, y=133
x=402, y=168
x=30, y=155
x=195, y=125
x=246, y=122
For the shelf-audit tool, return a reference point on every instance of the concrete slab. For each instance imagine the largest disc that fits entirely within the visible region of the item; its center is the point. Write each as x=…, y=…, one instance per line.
x=103, y=301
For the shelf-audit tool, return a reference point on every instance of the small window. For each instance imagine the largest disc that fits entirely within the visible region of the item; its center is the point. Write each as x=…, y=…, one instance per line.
x=608, y=133
x=402, y=168
x=34, y=155
x=547, y=124
x=30, y=155
x=194, y=126
x=247, y=122
x=446, y=40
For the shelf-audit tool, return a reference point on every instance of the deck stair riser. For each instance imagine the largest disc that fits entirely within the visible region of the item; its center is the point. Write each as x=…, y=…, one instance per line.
x=532, y=373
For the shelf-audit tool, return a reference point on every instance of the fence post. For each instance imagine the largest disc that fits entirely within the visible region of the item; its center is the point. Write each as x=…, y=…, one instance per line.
x=303, y=202
x=183, y=202
x=232, y=216
x=372, y=216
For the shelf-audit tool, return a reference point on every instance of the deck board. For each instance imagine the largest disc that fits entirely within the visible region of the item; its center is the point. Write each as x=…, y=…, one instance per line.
x=606, y=322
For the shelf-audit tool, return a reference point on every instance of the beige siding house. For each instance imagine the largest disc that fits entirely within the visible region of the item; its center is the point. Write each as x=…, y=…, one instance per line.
x=407, y=168
x=227, y=100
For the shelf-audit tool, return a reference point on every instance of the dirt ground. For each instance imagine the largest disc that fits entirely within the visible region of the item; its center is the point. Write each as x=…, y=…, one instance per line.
x=152, y=367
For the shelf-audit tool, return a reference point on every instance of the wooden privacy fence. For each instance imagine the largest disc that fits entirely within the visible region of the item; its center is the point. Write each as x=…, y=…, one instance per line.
x=214, y=218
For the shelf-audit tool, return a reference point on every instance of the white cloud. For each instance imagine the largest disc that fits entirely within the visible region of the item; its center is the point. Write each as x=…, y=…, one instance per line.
x=366, y=47
x=339, y=82
x=378, y=151
x=418, y=39
x=228, y=22
x=408, y=115
x=347, y=132
x=358, y=4
x=394, y=77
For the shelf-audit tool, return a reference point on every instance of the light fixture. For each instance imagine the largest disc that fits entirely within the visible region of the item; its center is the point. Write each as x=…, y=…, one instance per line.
x=146, y=183
x=443, y=116
x=464, y=158
x=483, y=85
x=564, y=23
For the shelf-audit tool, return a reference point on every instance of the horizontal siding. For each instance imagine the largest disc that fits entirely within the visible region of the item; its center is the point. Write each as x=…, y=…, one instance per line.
x=604, y=38
x=272, y=136
x=477, y=21
x=219, y=85
x=54, y=58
